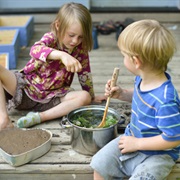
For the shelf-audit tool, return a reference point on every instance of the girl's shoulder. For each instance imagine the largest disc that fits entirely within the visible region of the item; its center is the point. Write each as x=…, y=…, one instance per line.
x=49, y=39
x=49, y=35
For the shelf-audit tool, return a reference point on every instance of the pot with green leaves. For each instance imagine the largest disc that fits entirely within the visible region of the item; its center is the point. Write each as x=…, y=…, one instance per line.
x=86, y=137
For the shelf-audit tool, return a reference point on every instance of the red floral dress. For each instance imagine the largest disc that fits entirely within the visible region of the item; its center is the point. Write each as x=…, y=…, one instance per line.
x=49, y=78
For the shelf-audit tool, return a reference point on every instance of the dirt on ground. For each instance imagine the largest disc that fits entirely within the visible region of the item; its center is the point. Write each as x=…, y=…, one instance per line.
x=15, y=141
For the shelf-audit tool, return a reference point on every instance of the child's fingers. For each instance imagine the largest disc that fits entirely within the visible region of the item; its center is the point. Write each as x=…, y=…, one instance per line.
x=74, y=67
x=79, y=67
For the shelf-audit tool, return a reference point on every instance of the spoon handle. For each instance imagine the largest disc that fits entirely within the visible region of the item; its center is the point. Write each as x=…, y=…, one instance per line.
x=113, y=83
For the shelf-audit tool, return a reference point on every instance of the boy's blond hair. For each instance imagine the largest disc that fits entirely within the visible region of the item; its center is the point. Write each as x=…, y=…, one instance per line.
x=73, y=12
x=150, y=41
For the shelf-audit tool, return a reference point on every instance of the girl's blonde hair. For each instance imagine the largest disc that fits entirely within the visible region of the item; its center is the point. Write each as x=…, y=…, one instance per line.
x=69, y=13
x=150, y=41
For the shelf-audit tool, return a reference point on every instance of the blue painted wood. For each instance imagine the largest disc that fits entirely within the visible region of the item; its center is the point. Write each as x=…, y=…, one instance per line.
x=26, y=31
x=13, y=48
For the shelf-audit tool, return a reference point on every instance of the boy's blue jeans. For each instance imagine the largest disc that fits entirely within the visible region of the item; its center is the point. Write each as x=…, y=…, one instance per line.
x=111, y=164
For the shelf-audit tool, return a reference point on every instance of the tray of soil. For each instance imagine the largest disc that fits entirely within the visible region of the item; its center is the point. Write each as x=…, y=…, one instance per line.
x=20, y=146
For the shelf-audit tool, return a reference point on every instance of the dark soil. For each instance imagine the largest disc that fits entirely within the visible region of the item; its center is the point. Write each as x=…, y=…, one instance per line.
x=15, y=141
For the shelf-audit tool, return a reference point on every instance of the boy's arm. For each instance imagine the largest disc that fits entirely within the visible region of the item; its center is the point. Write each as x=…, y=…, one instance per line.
x=126, y=95
x=117, y=92
x=131, y=144
x=155, y=143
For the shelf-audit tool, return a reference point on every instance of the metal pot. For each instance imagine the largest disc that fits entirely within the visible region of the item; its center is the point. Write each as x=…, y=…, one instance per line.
x=89, y=140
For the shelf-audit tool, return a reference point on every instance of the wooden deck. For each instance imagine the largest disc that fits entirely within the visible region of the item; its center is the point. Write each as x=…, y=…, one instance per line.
x=62, y=162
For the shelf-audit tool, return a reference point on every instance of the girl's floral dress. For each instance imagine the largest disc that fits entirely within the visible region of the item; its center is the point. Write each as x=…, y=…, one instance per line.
x=49, y=78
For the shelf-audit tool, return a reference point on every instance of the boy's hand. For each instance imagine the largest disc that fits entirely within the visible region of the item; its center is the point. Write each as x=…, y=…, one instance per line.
x=114, y=92
x=128, y=144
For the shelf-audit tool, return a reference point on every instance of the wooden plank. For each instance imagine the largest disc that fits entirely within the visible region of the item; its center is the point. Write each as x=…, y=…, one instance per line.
x=47, y=169
x=116, y=16
x=46, y=176
x=47, y=172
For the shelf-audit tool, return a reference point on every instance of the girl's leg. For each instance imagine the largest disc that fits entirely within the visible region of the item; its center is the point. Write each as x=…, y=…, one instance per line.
x=7, y=82
x=68, y=103
x=71, y=101
x=4, y=119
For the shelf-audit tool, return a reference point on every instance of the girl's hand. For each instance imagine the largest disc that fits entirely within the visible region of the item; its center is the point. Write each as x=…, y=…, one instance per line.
x=128, y=144
x=71, y=63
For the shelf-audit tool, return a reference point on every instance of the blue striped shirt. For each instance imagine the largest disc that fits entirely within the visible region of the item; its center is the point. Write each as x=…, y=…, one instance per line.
x=156, y=112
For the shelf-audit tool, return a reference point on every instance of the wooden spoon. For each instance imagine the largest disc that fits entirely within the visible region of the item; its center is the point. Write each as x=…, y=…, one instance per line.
x=113, y=83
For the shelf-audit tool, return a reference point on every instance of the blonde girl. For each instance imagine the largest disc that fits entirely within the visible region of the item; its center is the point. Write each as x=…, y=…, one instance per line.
x=43, y=86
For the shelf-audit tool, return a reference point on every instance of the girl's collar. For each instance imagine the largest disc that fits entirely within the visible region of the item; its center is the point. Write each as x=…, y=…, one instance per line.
x=69, y=51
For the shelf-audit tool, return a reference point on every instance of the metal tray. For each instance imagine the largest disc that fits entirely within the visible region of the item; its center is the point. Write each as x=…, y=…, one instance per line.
x=23, y=158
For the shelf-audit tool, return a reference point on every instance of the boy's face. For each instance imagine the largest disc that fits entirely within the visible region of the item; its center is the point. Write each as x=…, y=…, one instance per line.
x=73, y=36
x=129, y=63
